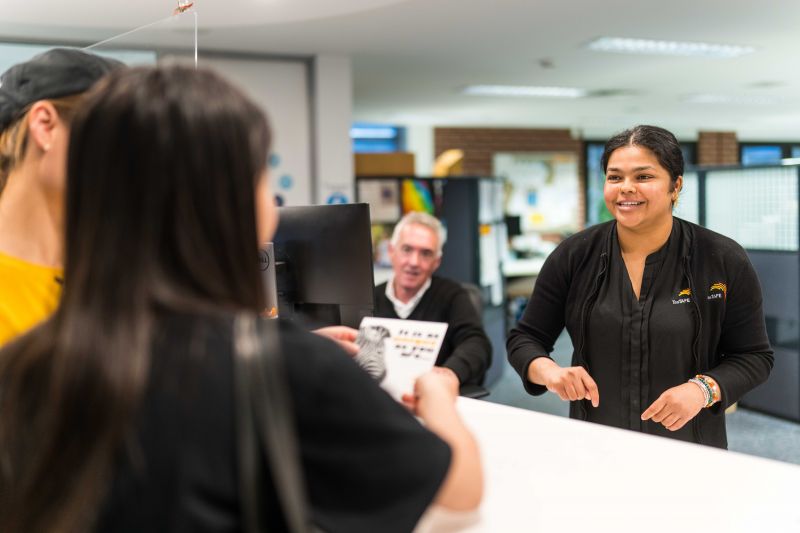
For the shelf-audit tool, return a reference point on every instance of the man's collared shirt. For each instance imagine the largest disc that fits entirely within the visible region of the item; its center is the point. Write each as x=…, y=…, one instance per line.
x=403, y=310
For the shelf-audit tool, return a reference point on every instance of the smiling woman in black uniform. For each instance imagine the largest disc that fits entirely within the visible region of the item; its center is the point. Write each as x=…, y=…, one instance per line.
x=665, y=316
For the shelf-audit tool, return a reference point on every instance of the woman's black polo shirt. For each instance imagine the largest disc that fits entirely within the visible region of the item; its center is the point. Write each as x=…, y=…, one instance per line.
x=637, y=349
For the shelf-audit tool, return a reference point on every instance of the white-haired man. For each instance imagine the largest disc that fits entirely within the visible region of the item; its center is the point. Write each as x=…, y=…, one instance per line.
x=414, y=293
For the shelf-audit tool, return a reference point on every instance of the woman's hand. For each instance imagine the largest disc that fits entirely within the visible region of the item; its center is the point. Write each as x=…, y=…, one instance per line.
x=676, y=406
x=435, y=389
x=343, y=335
x=571, y=383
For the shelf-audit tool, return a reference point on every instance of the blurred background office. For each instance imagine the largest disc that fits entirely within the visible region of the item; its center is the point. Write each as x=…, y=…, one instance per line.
x=514, y=99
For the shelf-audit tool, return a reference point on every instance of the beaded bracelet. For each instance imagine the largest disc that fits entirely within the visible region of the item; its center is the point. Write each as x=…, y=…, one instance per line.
x=713, y=386
x=707, y=394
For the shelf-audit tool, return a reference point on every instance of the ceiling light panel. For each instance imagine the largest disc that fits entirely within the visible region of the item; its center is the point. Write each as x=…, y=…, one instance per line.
x=736, y=99
x=624, y=45
x=524, y=91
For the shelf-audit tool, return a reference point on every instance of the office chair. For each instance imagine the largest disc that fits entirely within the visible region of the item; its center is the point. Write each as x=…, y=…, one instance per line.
x=476, y=297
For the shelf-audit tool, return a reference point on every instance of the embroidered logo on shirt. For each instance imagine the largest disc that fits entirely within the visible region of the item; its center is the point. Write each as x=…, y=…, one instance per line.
x=683, y=297
x=718, y=291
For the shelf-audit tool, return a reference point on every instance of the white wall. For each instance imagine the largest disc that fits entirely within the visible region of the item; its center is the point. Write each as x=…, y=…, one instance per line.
x=333, y=115
x=309, y=104
x=419, y=140
x=282, y=89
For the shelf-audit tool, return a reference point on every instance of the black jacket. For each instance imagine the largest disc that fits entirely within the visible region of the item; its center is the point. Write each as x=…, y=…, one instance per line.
x=730, y=341
x=466, y=349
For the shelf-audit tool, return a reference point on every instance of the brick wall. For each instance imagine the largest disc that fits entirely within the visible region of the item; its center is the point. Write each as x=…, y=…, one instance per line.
x=480, y=145
x=717, y=148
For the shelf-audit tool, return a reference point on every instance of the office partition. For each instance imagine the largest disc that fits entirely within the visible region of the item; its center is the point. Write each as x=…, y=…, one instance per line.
x=758, y=208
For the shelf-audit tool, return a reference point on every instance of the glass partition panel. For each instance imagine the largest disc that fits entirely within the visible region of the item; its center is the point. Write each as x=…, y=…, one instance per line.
x=755, y=207
x=596, y=211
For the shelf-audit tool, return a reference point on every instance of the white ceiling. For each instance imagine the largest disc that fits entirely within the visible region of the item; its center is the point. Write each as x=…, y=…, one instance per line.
x=411, y=57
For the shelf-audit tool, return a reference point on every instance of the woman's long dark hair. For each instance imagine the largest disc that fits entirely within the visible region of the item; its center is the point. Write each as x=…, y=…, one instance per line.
x=163, y=164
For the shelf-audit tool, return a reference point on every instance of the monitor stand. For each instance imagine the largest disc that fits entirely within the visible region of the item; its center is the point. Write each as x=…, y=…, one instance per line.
x=319, y=315
x=351, y=315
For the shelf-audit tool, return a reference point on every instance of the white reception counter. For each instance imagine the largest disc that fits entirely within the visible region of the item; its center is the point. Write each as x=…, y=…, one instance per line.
x=547, y=473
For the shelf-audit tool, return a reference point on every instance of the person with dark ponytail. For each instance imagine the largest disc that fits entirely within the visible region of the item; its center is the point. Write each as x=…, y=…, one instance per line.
x=37, y=101
x=665, y=316
x=117, y=414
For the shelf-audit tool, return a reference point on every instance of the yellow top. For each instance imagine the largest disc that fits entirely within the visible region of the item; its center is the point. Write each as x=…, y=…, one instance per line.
x=29, y=293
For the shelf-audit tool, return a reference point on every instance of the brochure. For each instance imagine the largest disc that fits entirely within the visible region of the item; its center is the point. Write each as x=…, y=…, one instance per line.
x=396, y=352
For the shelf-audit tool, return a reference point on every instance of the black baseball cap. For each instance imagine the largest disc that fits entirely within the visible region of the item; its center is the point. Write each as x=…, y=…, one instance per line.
x=52, y=74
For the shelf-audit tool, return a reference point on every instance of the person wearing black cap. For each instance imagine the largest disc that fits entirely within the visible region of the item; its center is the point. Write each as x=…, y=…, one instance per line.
x=37, y=101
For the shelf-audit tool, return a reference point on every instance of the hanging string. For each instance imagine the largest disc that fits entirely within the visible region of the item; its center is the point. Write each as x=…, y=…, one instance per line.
x=183, y=6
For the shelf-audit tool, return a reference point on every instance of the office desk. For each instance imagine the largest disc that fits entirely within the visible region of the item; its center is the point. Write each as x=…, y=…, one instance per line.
x=521, y=276
x=547, y=473
x=522, y=267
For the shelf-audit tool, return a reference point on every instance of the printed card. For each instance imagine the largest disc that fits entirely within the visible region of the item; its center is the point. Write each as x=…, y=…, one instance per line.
x=396, y=352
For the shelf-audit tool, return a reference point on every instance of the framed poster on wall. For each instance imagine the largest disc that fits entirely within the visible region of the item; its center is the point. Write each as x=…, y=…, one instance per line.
x=543, y=190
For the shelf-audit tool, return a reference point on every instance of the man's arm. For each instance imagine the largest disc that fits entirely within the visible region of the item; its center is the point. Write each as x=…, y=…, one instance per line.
x=472, y=351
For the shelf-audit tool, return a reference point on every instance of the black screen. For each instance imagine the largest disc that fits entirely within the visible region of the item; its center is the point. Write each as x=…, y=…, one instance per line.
x=323, y=259
x=513, y=225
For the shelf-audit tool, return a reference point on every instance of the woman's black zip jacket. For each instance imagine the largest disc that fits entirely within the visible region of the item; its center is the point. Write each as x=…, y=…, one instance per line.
x=730, y=341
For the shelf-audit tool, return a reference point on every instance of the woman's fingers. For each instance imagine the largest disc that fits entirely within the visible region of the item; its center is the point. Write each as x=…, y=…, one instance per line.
x=678, y=424
x=655, y=410
x=574, y=383
x=572, y=394
x=670, y=420
x=676, y=406
x=409, y=401
x=592, y=393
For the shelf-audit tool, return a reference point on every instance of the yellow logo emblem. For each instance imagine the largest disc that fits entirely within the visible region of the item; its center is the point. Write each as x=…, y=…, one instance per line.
x=683, y=297
x=719, y=287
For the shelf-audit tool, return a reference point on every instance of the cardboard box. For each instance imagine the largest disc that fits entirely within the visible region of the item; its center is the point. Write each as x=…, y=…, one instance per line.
x=385, y=164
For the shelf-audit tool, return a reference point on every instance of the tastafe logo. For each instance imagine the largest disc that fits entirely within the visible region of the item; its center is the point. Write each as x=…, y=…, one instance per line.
x=683, y=297
x=718, y=291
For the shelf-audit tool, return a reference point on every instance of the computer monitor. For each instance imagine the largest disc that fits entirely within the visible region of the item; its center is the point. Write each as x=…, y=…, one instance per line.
x=323, y=264
x=513, y=225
